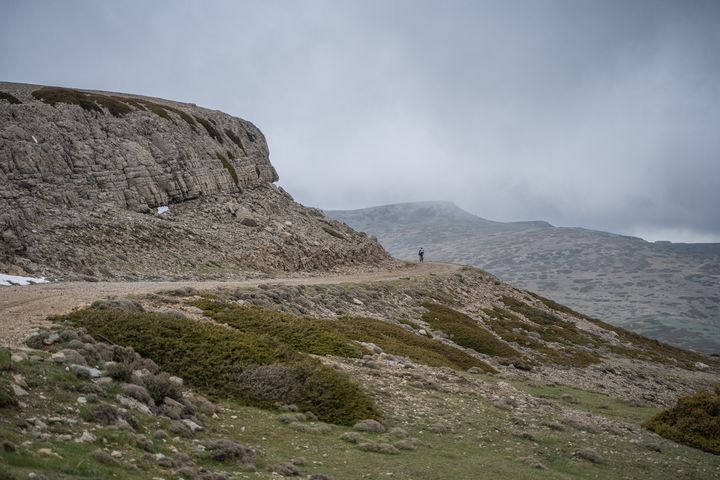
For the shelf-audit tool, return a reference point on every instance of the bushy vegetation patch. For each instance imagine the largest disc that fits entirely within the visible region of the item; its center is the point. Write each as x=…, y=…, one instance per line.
x=228, y=166
x=512, y=329
x=303, y=334
x=553, y=328
x=117, y=106
x=224, y=362
x=91, y=102
x=398, y=341
x=160, y=110
x=210, y=129
x=642, y=347
x=693, y=421
x=9, y=98
x=5, y=359
x=464, y=331
x=339, y=337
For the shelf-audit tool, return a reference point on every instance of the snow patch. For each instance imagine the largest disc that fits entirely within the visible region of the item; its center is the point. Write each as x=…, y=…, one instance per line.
x=7, y=280
x=162, y=210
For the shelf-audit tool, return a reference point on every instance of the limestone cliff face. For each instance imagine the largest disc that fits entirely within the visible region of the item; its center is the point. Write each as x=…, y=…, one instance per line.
x=82, y=172
x=54, y=146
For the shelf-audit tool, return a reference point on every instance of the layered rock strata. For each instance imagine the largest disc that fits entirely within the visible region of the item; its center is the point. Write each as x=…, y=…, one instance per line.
x=82, y=174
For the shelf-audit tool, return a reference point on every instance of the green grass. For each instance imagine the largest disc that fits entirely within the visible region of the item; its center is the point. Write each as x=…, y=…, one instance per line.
x=228, y=166
x=693, y=421
x=339, y=337
x=9, y=98
x=465, y=332
x=222, y=362
x=210, y=129
x=596, y=403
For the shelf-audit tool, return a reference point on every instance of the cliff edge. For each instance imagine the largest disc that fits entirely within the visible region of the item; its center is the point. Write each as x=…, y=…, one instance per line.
x=99, y=185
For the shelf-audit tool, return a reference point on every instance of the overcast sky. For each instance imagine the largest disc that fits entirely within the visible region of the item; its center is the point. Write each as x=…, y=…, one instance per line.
x=602, y=114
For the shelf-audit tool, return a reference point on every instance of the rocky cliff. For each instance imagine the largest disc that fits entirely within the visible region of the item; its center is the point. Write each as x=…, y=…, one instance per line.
x=82, y=174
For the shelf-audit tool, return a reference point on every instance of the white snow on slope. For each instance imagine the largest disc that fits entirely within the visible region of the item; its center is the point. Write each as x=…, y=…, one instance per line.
x=7, y=280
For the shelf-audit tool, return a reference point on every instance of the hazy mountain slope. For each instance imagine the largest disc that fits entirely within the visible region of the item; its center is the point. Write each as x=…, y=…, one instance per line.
x=83, y=173
x=666, y=291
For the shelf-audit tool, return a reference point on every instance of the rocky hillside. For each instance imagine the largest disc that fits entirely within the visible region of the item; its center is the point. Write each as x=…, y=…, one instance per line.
x=426, y=378
x=663, y=290
x=99, y=185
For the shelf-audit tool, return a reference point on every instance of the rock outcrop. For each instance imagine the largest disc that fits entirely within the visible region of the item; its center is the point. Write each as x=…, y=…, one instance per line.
x=83, y=173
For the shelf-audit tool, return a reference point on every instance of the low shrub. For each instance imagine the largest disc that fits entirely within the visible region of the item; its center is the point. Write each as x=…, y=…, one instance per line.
x=304, y=334
x=221, y=361
x=102, y=413
x=91, y=102
x=464, y=331
x=122, y=372
x=9, y=98
x=5, y=359
x=7, y=396
x=693, y=421
x=339, y=337
x=160, y=110
x=512, y=329
x=160, y=386
x=231, y=451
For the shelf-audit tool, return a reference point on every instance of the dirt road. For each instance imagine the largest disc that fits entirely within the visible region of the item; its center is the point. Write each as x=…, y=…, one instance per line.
x=23, y=309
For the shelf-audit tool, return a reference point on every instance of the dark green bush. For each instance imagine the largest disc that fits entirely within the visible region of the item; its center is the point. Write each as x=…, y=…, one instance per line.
x=212, y=358
x=303, y=334
x=91, y=102
x=5, y=359
x=693, y=421
x=7, y=396
x=210, y=129
x=5, y=475
x=398, y=341
x=464, y=331
x=103, y=413
x=160, y=386
x=9, y=98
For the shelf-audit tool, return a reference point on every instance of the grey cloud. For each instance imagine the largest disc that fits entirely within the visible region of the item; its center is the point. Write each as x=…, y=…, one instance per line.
x=597, y=114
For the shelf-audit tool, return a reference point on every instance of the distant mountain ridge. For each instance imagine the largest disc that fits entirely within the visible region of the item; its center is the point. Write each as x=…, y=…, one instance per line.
x=663, y=290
